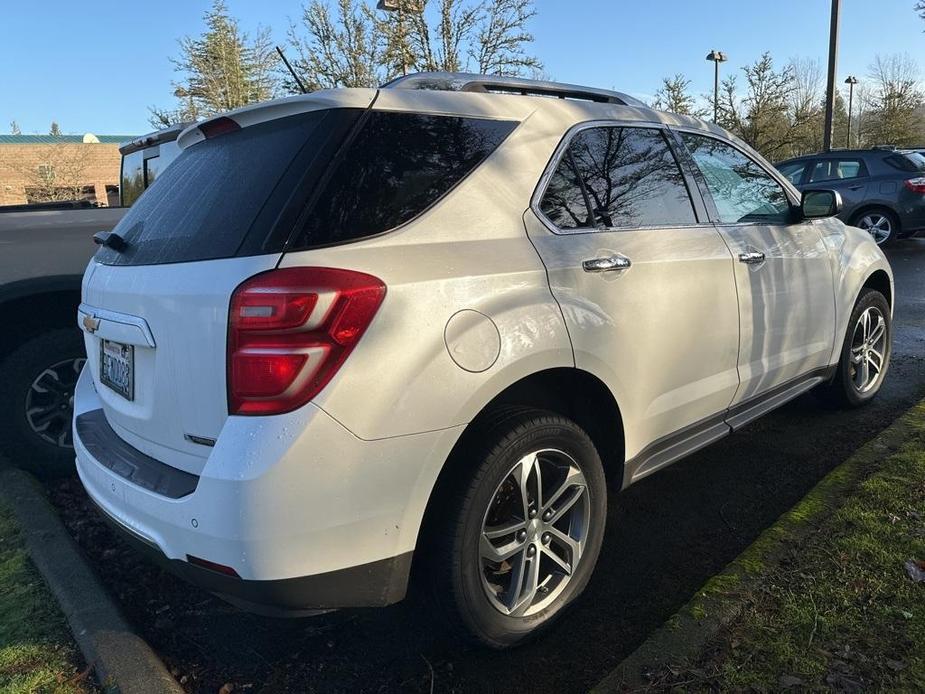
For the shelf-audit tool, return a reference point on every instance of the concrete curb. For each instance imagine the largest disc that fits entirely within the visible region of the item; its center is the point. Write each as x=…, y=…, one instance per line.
x=122, y=660
x=685, y=635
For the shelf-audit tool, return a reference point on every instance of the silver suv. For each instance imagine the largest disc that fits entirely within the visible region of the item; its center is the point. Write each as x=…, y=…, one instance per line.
x=356, y=331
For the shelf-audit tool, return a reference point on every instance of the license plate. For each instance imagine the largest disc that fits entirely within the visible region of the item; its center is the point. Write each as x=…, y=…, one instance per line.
x=117, y=367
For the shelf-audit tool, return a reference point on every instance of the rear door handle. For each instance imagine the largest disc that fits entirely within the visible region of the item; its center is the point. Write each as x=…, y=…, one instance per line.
x=608, y=263
x=751, y=257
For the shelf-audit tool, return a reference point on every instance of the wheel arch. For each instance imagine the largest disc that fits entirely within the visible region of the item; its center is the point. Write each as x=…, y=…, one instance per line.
x=567, y=391
x=866, y=207
x=30, y=307
x=880, y=281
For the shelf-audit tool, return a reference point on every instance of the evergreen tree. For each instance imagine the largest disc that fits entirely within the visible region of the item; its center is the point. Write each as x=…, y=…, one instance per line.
x=674, y=96
x=222, y=69
x=55, y=129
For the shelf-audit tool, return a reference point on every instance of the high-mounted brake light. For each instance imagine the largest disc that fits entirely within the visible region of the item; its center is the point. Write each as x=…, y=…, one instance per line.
x=290, y=330
x=916, y=185
x=218, y=126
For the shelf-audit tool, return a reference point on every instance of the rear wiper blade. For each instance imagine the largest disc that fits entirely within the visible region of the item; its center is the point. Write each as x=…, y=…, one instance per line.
x=110, y=239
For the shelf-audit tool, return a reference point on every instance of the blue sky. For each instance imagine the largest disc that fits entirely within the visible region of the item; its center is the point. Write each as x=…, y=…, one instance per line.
x=97, y=67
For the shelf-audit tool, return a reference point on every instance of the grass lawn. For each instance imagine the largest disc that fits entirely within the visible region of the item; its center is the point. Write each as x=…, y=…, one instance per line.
x=840, y=612
x=37, y=653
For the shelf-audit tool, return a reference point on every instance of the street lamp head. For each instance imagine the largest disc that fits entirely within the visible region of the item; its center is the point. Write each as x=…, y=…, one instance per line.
x=851, y=80
x=717, y=56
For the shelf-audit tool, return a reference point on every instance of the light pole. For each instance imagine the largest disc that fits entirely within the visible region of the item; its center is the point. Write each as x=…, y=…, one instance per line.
x=716, y=57
x=830, y=81
x=850, y=81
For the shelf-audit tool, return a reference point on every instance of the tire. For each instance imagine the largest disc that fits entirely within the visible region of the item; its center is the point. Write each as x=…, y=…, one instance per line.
x=475, y=592
x=844, y=389
x=36, y=402
x=884, y=218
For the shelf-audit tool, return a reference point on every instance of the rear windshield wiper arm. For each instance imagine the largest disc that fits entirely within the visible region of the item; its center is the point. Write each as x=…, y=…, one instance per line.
x=110, y=239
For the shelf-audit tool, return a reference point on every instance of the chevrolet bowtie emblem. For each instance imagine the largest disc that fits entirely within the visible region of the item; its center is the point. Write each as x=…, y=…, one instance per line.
x=91, y=323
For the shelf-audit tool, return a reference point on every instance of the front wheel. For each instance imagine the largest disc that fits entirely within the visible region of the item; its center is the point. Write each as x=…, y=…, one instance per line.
x=865, y=356
x=525, y=532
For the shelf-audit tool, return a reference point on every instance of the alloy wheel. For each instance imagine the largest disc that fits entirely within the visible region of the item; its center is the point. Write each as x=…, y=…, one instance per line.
x=50, y=402
x=868, y=349
x=878, y=226
x=534, y=532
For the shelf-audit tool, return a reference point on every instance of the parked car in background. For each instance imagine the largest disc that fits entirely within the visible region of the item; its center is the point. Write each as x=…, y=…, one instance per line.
x=882, y=190
x=428, y=321
x=44, y=250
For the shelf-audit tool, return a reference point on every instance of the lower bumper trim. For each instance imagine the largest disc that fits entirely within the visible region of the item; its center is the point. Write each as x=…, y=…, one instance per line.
x=375, y=584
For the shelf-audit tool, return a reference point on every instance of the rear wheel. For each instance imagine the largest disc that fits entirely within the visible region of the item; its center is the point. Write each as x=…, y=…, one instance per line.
x=881, y=223
x=37, y=401
x=865, y=356
x=525, y=529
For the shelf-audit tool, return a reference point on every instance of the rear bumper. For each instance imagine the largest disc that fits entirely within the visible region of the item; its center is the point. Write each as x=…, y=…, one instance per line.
x=307, y=515
x=378, y=583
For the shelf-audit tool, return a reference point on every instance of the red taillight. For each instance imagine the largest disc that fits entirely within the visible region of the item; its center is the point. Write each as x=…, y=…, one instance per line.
x=916, y=185
x=218, y=126
x=289, y=331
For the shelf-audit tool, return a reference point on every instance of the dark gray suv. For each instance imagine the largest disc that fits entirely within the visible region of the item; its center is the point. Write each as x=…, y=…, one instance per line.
x=883, y=190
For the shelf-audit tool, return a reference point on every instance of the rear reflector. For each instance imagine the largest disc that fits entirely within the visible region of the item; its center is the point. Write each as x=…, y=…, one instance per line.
x=290, y=330
x=218, y=126
x=212, y=566
x=916, y=185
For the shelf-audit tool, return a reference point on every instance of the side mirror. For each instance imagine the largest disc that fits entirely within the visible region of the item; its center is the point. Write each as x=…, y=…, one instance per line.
x=820, y=203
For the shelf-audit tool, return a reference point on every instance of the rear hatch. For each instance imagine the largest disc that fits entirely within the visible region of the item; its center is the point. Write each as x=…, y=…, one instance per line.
x=155, y=311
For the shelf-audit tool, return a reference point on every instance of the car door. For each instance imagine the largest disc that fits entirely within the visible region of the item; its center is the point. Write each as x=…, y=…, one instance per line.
x=645, y=284
x=782, y=272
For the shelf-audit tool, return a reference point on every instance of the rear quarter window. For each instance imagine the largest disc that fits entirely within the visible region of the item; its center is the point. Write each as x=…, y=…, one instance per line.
x=396, y=166
x=912, y=162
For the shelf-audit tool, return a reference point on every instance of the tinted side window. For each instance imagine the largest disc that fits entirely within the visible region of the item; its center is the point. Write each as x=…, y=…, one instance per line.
x=133, y=178
x=907, y=161
x=397, y=166
x=793, y=171
x=742, y=191
x=564, y=202
x=630, y=177
x=837, y=169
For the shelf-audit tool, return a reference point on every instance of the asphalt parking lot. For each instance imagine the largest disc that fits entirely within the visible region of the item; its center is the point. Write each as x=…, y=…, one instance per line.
x=666, y=537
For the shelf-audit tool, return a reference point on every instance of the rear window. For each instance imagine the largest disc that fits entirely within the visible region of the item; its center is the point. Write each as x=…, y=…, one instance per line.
x=203, y=205
x=397, y=166
x=301, y=179
x=906, y=161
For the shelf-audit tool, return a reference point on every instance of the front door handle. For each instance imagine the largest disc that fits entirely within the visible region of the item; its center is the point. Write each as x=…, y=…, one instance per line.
x=751, y=257
x=606, y=263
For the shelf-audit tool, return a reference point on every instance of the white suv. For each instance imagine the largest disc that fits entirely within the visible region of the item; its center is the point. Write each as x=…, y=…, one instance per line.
x=358, y=331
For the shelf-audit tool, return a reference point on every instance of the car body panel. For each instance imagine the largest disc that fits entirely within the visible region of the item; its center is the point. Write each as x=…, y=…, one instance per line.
x=777, y=343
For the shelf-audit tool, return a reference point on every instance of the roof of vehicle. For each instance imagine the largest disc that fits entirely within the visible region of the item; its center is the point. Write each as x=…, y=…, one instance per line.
x=845, y=152
x=87, y=138
x=487, y=96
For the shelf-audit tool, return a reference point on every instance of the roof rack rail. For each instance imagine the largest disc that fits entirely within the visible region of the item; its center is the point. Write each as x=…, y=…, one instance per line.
x=467, y=82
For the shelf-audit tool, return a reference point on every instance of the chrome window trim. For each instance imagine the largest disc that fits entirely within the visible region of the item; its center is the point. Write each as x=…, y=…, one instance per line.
x=556, y=158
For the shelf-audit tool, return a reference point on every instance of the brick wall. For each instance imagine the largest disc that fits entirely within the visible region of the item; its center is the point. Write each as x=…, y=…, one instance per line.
x=97, y=164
